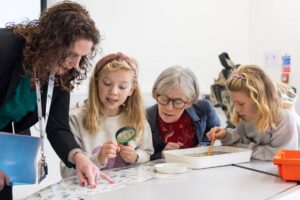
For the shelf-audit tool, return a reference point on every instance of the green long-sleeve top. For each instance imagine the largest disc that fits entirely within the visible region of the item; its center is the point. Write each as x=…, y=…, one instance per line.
x=18, y=105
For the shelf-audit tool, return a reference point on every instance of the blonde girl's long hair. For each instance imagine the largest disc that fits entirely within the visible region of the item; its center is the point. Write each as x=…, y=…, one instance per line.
x=134, y=108
x=253, y=81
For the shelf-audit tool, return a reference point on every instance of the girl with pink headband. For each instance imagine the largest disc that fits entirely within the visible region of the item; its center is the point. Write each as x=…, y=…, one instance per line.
x=114, y=102
x=264, y=122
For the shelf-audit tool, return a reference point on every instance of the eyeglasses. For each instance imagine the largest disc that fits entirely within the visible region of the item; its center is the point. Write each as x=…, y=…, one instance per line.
x=177, y=103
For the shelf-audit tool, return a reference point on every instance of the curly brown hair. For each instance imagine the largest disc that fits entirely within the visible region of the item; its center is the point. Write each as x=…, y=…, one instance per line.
x=49, y=41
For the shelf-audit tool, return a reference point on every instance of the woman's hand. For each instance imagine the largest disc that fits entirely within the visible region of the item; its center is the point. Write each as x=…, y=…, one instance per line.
x=172, y=146
x=4, y=180
x=87, y=172
x=108, y=150
x=216, y=133
x=127, y=153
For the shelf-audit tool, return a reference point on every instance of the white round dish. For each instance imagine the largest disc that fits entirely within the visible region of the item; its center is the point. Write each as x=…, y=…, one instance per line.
x=171, y=168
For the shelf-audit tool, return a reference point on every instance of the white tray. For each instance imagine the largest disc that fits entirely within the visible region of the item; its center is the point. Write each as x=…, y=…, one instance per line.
x=233, y=156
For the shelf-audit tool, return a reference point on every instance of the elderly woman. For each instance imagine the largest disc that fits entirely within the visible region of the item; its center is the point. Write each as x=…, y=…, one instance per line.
x=179, y=120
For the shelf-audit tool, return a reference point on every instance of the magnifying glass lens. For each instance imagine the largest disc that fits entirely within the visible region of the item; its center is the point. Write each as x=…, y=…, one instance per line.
x=125, y=134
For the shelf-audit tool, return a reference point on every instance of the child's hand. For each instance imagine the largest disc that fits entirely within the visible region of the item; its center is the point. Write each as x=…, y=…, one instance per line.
x=108, y=150
x=127, y=153
x=4, y=180
x=216, y=133
x=172, y=145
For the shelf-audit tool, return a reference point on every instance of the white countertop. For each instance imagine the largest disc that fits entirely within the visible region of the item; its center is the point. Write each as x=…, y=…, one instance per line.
x=252, y=180
x=228, y=182
x=266, y=167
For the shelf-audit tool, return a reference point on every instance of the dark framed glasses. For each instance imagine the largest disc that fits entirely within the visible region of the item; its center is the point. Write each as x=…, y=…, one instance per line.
x=177, y=103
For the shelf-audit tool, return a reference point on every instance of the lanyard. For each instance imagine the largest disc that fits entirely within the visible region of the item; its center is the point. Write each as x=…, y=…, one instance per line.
x=43, y=120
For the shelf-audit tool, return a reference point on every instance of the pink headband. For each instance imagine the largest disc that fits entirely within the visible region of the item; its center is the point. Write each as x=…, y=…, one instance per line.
x=117, y=56
x=239, y=76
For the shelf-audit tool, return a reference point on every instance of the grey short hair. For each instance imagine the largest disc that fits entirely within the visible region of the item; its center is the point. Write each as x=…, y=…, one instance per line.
x=177, y=77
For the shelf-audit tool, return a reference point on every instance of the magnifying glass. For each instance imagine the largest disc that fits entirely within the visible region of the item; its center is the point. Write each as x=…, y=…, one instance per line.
x=125, y=135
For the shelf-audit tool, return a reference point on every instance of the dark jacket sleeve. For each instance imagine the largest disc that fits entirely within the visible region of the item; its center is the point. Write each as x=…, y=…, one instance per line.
x=58, y=129
x=158, y=144
x=208, y=117
x=212, y=117
x=11, y=56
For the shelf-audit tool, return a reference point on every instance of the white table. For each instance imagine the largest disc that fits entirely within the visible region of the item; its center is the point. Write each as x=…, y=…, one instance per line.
x=290, y=194
x=228, y=182
x=266, y=167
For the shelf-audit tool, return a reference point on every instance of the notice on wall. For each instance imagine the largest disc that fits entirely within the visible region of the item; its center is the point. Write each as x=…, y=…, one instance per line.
x=285, y=68
x=272, y=60
x=286, y=63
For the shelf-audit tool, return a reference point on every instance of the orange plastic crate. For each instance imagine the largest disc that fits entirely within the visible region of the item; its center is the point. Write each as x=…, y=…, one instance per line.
x=288, y=162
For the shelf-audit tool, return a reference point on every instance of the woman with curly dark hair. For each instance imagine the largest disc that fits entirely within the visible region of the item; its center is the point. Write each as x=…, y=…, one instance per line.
x=59, y=45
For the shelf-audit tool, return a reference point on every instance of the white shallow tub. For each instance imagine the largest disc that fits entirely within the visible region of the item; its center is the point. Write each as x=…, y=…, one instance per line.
x=230, y=155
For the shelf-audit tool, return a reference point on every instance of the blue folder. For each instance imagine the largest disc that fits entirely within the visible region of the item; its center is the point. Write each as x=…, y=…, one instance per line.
x=18, y=157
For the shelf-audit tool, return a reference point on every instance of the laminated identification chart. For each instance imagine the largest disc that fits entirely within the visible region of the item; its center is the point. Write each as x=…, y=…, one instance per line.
x=70, y=188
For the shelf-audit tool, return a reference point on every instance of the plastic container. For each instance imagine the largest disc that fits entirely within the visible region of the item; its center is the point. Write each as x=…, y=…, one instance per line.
x=288, y=162
x=191, y=157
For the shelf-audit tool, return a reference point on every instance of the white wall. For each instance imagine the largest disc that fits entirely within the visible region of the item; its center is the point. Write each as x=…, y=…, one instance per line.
x=275, y=27
x=161, y=33
x=19, y=11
